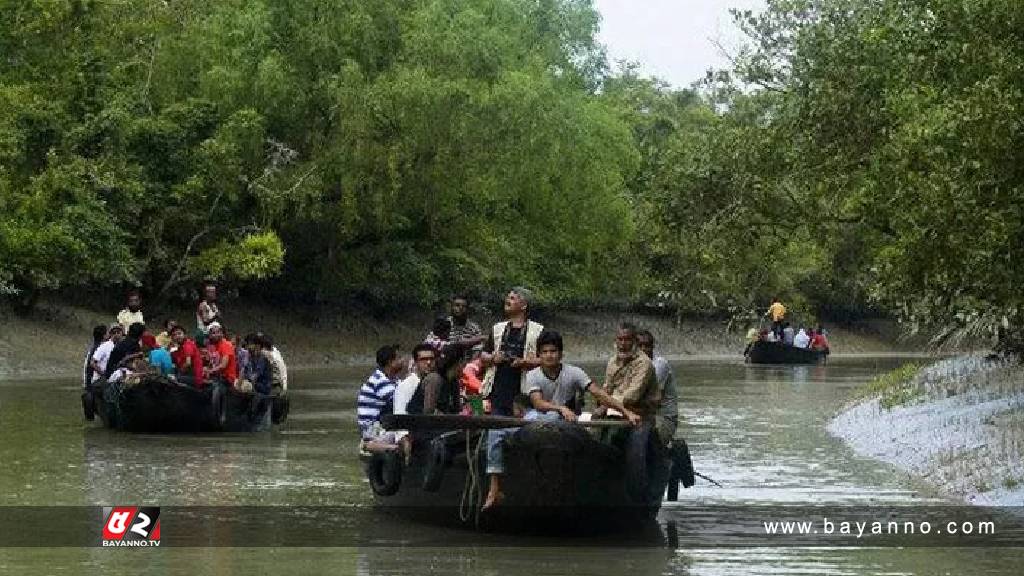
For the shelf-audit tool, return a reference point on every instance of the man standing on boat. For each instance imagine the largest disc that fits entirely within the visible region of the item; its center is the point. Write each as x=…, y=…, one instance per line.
x=465, y=333
x=667, y=419
x=511, y=351
x=132, y=313
x=777, y=312
x=207, y=313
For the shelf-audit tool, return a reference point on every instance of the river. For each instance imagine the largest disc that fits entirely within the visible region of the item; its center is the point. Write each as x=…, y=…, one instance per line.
x=758, y=431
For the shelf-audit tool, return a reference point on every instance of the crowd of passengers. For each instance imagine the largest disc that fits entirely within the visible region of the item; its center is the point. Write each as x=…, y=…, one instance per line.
x=514, y=369
x=125, y=350
x=781, y=331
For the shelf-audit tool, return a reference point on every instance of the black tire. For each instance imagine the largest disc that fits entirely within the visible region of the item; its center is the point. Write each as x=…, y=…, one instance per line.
x=89, y=405
x=279, y=409
x=433, y=475
x=385, y=472
x=682, y=464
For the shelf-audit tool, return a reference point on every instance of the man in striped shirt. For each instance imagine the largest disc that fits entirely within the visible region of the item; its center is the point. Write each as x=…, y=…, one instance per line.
x=377, y=395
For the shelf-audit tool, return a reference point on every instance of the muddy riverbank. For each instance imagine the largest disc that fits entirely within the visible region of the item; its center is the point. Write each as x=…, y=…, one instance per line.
x=51, y=342
x=957, y=423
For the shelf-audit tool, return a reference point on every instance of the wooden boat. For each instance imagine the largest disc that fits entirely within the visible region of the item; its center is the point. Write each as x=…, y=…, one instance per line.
x=156, y=404
x=762, y=352
x=558, y=475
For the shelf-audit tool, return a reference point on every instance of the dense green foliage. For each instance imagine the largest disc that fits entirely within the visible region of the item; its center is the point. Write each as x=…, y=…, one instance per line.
x=861, y=157
x=392, y=151
x=865, y=155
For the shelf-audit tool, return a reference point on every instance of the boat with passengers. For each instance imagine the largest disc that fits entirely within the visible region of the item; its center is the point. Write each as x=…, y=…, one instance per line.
x=557, y=474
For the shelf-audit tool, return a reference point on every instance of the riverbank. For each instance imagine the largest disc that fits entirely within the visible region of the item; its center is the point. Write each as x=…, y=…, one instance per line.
x=51, y=341
x=957, y=423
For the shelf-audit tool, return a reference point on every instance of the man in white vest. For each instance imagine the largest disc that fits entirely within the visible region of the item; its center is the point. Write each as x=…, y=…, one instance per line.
x=511, y=350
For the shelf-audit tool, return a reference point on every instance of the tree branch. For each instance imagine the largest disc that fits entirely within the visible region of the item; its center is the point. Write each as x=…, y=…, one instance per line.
x=149, y=75
x=181, y=263
x=188, y=248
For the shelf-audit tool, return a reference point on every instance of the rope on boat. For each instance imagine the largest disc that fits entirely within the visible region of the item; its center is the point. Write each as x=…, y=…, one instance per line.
x=708, y=479
x=469, y=504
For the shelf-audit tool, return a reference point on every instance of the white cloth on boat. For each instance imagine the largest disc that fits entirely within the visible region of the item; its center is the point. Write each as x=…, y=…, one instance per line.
x=119, y=375
x=404, y=392
x=801, y=340
x=278, y=360
x=102, y=356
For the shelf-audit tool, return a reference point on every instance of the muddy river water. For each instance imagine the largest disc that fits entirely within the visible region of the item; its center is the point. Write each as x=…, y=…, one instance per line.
x=758, y=431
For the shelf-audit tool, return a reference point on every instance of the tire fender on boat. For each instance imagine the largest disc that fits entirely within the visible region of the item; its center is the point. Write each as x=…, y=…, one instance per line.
x=682, y=469
x=384, y=470
x=219, y=405
x=433, y=473
x=89, y=405
x=279, y=409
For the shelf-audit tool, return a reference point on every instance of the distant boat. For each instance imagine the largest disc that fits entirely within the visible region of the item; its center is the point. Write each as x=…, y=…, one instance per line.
x=557, y=476
x=156, y=404
x=762, y=352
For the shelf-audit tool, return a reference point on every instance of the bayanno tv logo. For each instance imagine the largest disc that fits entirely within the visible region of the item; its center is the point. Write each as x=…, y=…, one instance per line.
x=131, y=526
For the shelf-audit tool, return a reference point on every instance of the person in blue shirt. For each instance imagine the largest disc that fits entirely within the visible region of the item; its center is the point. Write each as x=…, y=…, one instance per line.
x=258, y=372
x=257, y=368
x=158, y=357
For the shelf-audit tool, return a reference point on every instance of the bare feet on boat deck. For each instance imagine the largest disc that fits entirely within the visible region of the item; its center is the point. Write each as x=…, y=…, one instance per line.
x=405, y=445
x=493, y=499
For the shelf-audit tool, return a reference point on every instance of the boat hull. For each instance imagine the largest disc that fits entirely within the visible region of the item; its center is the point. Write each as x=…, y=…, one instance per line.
x=156, y=404
x=778, y=353
x=557, y=477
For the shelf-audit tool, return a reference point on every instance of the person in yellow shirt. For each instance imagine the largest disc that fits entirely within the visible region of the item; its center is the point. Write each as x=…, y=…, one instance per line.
x=163, y=339
x=777, y=312
x=132, y=314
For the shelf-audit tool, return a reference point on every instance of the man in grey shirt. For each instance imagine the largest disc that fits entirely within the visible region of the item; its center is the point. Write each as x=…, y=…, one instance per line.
x=553, y=386
x=667, y=419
